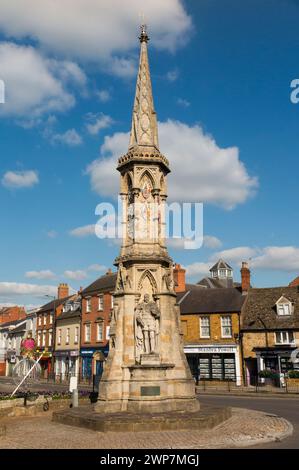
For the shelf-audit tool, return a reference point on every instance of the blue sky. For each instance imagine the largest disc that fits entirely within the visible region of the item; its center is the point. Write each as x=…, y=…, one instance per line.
x=221, y=74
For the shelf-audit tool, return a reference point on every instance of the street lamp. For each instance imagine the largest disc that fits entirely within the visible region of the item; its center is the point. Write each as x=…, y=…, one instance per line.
x=53, y=328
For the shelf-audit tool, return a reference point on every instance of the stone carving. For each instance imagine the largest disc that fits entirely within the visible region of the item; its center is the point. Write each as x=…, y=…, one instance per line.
x=147, y=316
x=168, y=279
x=113, y=320
x=123, y=278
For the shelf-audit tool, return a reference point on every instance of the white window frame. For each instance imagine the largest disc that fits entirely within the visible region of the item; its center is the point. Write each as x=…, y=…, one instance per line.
x=44, y=335
x=76, y=335
x=112, y=301
x=202, y=326
x=108, y=332
x=88, y=304
x=286, y=309
x=45, y=319
x=39, y=338
x=51, y=318
x=39, y=320
x=87, y=328
x=223, y=325
x=50, y=337
x=100, y=328
x=59, y=337
x=288, y=334
x=68, y=336
x=101, y=302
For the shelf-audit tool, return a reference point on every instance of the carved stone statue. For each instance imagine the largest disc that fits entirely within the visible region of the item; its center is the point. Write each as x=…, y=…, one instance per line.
x=147, y=315
x=123, y=278
x=168, y=279
x=113, y=320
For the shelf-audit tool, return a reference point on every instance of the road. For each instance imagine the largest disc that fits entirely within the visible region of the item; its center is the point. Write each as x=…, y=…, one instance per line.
x=287, y=408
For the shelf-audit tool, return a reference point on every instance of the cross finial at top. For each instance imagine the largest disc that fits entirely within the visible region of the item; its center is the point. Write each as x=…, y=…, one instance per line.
x=143, y=29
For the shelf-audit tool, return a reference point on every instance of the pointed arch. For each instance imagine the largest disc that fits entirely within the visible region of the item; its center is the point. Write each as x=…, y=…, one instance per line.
x=147, y=174
x=146, y=279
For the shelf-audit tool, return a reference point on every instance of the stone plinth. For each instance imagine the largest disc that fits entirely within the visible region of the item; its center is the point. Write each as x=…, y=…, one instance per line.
x=207, y=418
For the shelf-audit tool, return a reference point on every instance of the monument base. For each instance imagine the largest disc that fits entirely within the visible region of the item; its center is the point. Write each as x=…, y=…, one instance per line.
x=85, y=417
x=150, y=388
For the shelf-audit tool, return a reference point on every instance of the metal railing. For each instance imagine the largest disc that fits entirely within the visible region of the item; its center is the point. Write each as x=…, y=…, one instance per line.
x=281, y=384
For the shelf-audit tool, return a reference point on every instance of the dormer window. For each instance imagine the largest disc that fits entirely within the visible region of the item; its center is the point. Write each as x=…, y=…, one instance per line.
x=284, y=307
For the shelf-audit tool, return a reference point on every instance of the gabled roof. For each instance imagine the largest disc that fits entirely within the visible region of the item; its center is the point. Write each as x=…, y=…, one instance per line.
x=12, y=323
x=200, y=300
x=50, y=305
x=260, y=307
x=221, y=264
x=103, y=284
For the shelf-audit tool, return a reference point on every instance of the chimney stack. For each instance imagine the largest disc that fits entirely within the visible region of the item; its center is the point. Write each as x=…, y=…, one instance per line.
x=245, y=277
x=179, y=275
x=63, y=291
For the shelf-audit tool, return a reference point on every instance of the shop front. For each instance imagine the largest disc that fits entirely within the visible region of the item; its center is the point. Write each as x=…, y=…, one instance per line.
x=45, y=362
x=66, y=363
x=275, y=360
x=217, y=363
x=92, y=361
x=11, y=361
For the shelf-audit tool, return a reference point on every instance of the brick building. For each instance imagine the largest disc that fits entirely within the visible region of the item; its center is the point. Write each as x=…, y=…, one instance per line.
x=9, y=314
x=45, y=328
x=97, y=304
x=295, y=282
x=67, y=338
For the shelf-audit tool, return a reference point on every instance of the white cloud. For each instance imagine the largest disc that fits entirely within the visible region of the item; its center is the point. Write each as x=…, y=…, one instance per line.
x=84, y=231
x=20, y=179
x=15, y=288
x=197, y=269
x=282, y=258
x=97, y=268
x=209, y=241
x=237, y=254
x=182, y=102
x=44, y=274
x=97, y=122
x=95, y=30
x=103, y=95
x=201, y=170
x=70, y=137
x=34, y=84
x=75, y=275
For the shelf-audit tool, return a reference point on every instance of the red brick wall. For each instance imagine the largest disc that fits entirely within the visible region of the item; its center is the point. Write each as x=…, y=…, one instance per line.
x=8, y=314
x=179, y=275
x=92, y=317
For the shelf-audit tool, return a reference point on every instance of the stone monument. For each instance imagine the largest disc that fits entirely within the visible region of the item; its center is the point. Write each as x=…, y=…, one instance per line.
x=146, y=369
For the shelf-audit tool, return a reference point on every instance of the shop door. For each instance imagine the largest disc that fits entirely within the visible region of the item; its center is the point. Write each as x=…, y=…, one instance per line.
x=86, y=366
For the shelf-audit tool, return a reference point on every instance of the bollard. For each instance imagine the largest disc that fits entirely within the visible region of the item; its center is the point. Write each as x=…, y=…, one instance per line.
x=75, y=398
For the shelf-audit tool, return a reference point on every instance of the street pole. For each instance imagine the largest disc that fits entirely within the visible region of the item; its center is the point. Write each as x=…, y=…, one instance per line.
x=53, y=331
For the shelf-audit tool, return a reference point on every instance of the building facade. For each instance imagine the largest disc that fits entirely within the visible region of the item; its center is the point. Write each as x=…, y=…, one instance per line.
x=45, y=329
x=270, y=329
x=210, y=321
x=97, y=305
x=67, y=339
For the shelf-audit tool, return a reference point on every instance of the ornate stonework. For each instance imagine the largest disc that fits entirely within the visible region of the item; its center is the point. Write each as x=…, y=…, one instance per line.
x=146, y=369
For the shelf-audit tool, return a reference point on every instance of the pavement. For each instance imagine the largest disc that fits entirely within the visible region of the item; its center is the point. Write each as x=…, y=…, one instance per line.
x=287, y=408
x=244, y=428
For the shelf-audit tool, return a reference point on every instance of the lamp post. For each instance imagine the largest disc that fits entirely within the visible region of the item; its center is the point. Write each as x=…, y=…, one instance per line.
x=53, y=328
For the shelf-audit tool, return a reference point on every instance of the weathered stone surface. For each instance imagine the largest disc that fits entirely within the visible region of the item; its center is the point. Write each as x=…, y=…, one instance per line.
x=207, y=418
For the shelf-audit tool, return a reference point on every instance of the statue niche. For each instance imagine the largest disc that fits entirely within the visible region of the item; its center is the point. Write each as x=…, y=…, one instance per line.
x=147, y=326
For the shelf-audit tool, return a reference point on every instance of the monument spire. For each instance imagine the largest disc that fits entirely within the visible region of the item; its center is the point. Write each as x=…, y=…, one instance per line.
x=144, y=131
